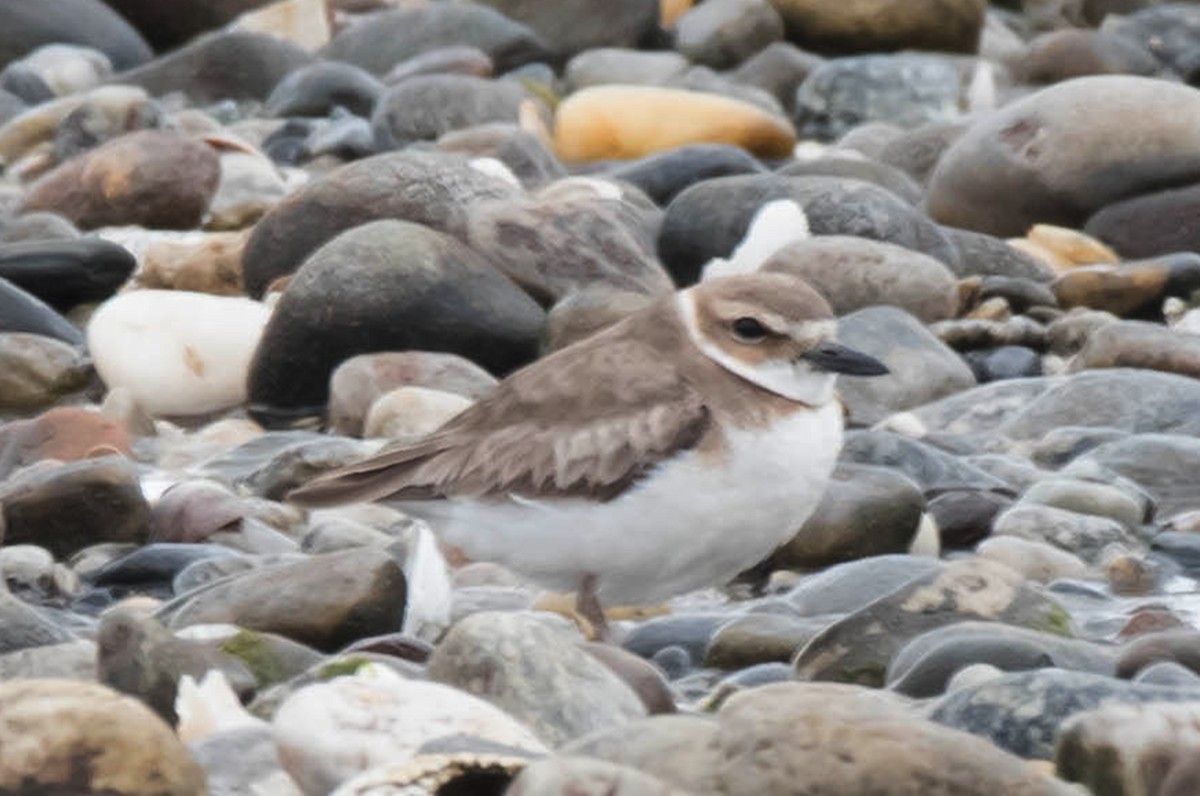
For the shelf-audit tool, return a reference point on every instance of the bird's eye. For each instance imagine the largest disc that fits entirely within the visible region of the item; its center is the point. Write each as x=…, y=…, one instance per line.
x=749, y=330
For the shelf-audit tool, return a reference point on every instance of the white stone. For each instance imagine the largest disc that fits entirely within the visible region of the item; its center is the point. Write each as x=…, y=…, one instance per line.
x=1037, y=561
x=329, y=732
x=1190, y=322
x=411, y=412
x=177, y=353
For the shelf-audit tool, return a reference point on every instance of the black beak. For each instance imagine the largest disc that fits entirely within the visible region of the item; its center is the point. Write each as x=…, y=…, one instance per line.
x=837, y=358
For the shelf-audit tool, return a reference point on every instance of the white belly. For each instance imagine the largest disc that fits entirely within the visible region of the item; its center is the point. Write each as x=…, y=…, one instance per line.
x=688, y=525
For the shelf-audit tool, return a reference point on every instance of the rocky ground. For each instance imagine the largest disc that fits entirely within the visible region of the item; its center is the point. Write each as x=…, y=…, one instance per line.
x=242, y=245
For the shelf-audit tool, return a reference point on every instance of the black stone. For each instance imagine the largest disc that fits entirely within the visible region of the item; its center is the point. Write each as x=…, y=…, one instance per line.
x=22, y=312
x=662, y=176
x=317, y=89
x=25, y=26
x=65, y=273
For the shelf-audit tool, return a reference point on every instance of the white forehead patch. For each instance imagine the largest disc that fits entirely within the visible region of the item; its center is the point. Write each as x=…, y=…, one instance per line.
x=775, y=225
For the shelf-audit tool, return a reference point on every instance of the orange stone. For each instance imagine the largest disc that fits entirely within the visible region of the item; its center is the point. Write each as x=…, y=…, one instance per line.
x=626, y=122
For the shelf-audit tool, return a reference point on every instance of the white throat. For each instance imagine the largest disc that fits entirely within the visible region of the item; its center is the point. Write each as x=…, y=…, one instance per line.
x=796, y=381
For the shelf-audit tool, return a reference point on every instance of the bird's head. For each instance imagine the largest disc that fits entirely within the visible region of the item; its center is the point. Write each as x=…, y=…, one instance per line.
x=773, y=330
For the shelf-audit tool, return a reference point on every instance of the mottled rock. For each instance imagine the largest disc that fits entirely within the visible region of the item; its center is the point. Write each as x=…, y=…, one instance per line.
x=535, y=672
x=905, y=90
x=848, y=587
x=1081, y=534
x=856, y=168
x=65, y=736
x=778, y=69
x=1158, y=463
x=388, y=285
x=1064, y=172
x=985, y=255
x=151, y=178
x=321, y=745
x=427, y=188
x=933, y=469
x=553, y=247
x=585, y=777
x=211, y=264
x=615, y=65
x=857, y=649
x=1024, y=712
x=760, y=638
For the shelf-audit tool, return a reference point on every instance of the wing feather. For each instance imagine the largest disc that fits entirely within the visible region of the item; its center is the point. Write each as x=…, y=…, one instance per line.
x=588, y=421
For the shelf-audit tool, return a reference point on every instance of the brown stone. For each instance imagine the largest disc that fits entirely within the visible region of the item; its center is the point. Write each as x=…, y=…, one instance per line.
x=1115, y=289
x=36, y=371
x=873, y=25
x=66, y=433
x=1134, y=344
x=152, y=179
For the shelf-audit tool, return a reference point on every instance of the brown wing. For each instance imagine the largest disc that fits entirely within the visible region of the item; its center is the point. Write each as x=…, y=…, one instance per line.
x=589, y=420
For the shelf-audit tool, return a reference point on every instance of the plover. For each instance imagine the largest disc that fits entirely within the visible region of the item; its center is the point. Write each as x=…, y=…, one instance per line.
x=666, y=453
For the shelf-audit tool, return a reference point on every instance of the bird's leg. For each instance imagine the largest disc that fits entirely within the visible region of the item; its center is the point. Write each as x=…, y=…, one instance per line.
x=587, y=606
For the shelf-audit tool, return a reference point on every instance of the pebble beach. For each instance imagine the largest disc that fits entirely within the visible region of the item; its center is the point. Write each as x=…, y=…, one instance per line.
x=244, y=244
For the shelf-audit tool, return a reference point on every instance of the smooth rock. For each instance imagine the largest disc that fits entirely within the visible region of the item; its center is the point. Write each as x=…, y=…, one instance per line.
x=1168, y=31
x=325, y=601
x=1063, y=171
x=151, y=178
x=1084, y=535
x=664, y=175
x=70, y=660
x=219, y=66
x=66, y=736
x=604, y=66
x=37, y=371
x=196, y=361
x=585, y=777
x=571, y=26
x=858, y=648
x=711, y=218
x=845, y=588
x=1136, y=344
x=88, y=23
x=62, y=68
x=1023, y=713
x=37, y=227
x=865, y=511
x=624, y=122
x=64, y=508
x=425, y=107
x=410, y=413
x=934, y=470
x=854, y=273
x=1065, y=54
x=1158, y=463
x=377, y=42
x=68, y=272
x=828, y=25
x=1176, y=646
x=536, y=673
x=211, y=264
x=723, y=33
x=1131, y=400
x=348, y=297
x=1005, y=362
x=64, y=434
x=427, y=188
x=359, y=381
x=527, y=156
x=317, y=89
x=1089, y=497
x=856, y=168
x=985, y=255
x=964, y=516
x=456, y=59
x=760, y=638
x=900, y=342
x=22, y=312
x=926, y=664
x=1035, y=560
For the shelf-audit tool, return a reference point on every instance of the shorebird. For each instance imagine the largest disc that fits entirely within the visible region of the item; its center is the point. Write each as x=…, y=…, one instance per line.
x=666, y=453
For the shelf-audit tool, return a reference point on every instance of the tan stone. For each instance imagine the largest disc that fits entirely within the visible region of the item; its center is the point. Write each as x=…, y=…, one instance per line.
x=212, y=264
x=412, y=412
x=63, y=736
x=671, y=10
x=1076, y=247
x=624, y=122
x=302, y=22
x=1116, y=289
